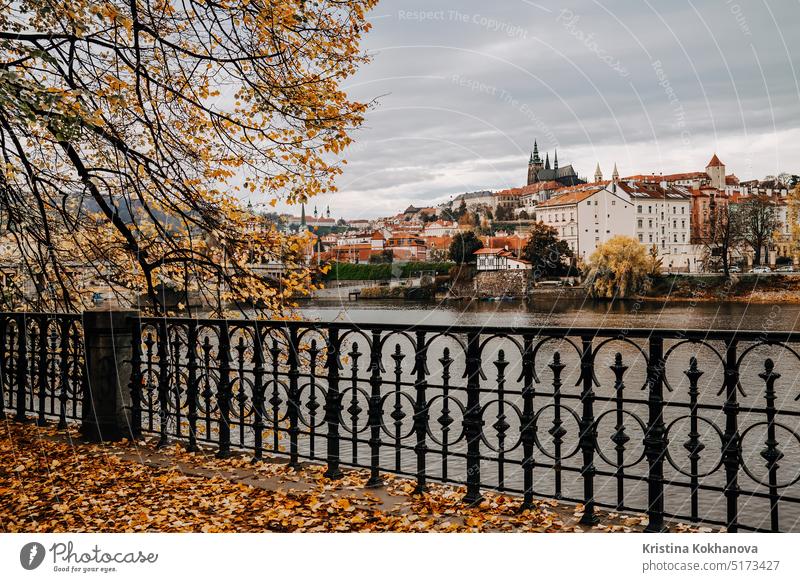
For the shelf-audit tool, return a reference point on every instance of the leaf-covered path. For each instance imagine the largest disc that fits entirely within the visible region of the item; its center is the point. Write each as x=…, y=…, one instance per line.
x=50, y=481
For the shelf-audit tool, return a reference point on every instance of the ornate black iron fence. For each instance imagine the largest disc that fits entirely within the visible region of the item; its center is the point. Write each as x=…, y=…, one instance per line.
x=690, y=425
x=42, y=366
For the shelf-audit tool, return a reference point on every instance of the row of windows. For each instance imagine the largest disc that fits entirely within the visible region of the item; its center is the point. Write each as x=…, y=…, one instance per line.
x=650, y=238
x=640, y=223
x=554, y=217
x=650, y=210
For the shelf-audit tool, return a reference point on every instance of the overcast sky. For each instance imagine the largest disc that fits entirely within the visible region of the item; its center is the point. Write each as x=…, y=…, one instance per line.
x=463, y=88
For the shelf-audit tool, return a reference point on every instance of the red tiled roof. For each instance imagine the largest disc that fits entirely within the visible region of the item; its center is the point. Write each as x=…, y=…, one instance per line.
x=643, y=189
x=572, y=195
x=714, y=163
x=668, y=177
x=529, y=189
x=501, y=253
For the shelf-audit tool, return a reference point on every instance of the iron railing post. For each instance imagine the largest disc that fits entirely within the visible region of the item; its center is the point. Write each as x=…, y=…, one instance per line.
x=693, y=445
x=22, y=367
x=771, y=453
x=333, y=404
x=420, y=411
x=374, y=412
x=528, y=429
x=135, y=386
x=3, y=371
x=731, y=442
x=294, y=398
x=259, y=397
x=192, y=386
x=620, y=437
x=588, y=431
x=41, y=372
x=473, y=423
x=224, y=391
x=655, y=440
x=163, y=383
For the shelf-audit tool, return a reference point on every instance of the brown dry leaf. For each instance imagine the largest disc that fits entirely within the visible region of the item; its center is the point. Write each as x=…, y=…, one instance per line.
x=61, y=485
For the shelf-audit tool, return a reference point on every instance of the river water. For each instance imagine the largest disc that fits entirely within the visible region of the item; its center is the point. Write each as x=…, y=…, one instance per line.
x=564, y=312
x=503, y=469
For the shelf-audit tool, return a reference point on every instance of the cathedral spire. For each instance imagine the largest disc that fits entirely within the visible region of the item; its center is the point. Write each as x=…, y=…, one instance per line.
x=555, y=159
x=615, y=173
x=598, y=174
x=535, y=157
x=547, y=161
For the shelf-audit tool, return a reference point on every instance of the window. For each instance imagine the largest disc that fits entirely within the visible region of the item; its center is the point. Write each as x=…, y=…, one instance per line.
x=595, y=202
x=649, y=209
x=674, y=238
x=683, y=238
x=641, y=237
x=683, y=224
x=639, y=209
x=650, y=237
x=650, y=223
x=588, y=202
x=639, y=223
x=613, y=203
x=683, y=208
x=674, y=224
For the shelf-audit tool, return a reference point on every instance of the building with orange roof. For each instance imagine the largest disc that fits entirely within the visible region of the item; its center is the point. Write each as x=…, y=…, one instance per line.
x=587, y=215
x=513, y=243
x=407, y=247
x=440, y=228
x=500, y=260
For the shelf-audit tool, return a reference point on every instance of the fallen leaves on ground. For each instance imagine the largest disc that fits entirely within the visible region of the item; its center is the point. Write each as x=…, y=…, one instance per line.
x=56, y=483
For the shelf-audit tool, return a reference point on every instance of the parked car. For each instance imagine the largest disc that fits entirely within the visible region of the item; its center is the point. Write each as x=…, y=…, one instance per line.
x=761, y=270
x=734, y=269
x=785, y=269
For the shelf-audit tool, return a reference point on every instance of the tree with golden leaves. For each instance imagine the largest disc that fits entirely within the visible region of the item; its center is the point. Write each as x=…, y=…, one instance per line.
x=619, y=267
x=793, y=217
x=131, y=132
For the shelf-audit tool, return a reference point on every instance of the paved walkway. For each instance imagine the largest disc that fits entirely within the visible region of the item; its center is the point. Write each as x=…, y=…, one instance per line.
x=53, y=482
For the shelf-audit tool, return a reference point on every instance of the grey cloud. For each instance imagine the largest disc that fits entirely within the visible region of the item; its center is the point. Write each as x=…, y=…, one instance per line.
x=464, y=93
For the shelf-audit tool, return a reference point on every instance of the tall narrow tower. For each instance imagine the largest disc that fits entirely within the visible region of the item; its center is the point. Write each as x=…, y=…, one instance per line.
x=534, y=164
x=716, y=171
x=615, y=173
x=598, y=175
